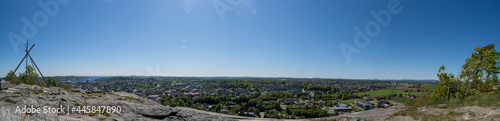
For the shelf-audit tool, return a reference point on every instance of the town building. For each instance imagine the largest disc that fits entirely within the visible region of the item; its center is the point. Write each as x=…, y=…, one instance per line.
x=291, y=100
x=385, y=103
x=343, y=108
x=153, y=97
x=363, y=104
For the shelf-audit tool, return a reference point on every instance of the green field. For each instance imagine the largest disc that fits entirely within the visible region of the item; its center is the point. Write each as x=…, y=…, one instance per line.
x=433, y=86
x=386, y=92
x=350, y=100
x=398, y=99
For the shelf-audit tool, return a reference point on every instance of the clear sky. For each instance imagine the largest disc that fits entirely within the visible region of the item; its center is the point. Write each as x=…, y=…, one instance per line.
x=262, y=38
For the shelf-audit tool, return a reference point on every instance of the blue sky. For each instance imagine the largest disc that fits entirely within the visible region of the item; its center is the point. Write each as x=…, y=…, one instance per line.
x=263, y=38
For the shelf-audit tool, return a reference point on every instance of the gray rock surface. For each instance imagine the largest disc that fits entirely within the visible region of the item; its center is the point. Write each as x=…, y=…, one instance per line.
x=133, y=107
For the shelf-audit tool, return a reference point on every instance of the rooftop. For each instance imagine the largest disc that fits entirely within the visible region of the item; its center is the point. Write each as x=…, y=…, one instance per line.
x=342, y=106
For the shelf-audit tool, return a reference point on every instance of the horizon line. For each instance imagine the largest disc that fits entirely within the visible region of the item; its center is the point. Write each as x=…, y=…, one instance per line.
x=246, y=77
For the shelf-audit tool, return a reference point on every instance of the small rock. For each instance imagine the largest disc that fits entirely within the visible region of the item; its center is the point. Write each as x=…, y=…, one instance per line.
x=9, y=100
x=442, y=105
x=493, y=112
x=100, y=116
x=117, y=119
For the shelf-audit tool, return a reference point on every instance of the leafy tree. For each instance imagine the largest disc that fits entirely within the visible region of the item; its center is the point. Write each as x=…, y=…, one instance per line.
x=480, y=71
x=479, y=74
x=410, y=101
x=447, y=84
x=253, y=102
x=287, y=110
x=52, y=82
x=13, y=80
x=29, y=77
x=218, y=108
x=378, y=105
x=344, y=96
x=277, y=106
x=65, y=86
x=42, y=83
x=181, y=103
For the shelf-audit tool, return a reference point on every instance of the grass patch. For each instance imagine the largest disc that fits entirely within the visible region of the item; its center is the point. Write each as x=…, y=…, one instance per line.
x=398, y=99
x=348, y=102
x=77, y=104
x=488, y=99
x=386, y=92
x=351, y=100
x=433, y=86
x=130, y=98
x=453, y=113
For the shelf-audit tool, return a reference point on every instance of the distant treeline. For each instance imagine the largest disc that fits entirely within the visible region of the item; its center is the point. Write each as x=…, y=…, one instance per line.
x=71, y=78
x=168, y=78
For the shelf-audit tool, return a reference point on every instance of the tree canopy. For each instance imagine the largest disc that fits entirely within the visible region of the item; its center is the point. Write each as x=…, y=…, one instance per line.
x=479, y=74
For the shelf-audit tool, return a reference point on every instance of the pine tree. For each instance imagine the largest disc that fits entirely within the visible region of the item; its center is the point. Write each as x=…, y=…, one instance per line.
x=13, y=80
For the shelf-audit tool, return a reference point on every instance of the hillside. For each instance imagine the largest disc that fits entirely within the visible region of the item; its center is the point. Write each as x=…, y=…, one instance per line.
x=132, y=106
x=137, y=108
x=485, y=106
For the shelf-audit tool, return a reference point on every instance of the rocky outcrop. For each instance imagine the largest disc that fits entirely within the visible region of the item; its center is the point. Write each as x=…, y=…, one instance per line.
x=465, y=113
x=132, y=106
x=135, y=108
x=378, y=114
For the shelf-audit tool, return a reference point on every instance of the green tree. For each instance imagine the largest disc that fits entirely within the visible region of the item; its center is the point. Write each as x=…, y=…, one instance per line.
x=29, y=77
x=480, y=71
x=52, y=82
x=425, y=88
x=241, y=113
x=181, y=103
x=410, y=101
x=447, y=84
x=344, y=96
x=13, y=80
x=277, y=106
x=218, y=108
x=479, y=74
